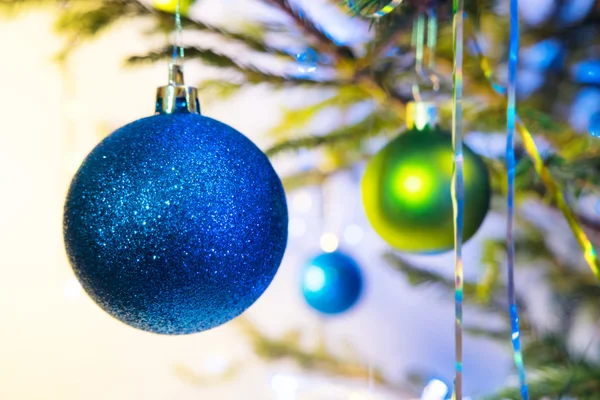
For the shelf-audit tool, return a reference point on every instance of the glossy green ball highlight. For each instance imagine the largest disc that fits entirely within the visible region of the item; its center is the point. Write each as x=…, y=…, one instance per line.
x=406, y=192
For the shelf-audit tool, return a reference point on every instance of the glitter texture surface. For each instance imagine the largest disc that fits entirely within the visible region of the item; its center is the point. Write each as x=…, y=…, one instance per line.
x=332, y=283
x=175, y=224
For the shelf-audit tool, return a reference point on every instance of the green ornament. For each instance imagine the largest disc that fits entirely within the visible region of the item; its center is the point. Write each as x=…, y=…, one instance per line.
x=170, y=6
x=406, y=191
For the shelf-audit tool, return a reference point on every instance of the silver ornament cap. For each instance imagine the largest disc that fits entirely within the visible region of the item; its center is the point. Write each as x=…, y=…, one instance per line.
x=177, y=96
x=420, y=114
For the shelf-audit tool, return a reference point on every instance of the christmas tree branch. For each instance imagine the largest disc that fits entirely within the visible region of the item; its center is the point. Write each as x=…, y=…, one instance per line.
x=580, y=382
x=88, y=19
x=489, y=292
x=254, y=41
x=324, y=44
x=314, y=177
x=191, y=377
x=319, y=359
x=218, y=89
x=251, y=73
x=295, y=119
x=549, y=349
x=375, y=123
x=417, y=276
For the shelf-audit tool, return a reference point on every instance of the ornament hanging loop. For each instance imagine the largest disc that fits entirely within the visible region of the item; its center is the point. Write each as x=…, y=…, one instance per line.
x=426, y=22
x=176, y=97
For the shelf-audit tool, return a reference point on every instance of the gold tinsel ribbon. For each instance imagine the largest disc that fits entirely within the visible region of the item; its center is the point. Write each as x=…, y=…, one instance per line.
x=543, y=172
x=556, y=192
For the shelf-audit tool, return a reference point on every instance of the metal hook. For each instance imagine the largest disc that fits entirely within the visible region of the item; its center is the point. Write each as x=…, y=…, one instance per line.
x=178, y=52
x=432, y=33
x=177, y=97
x=418, y=41
x=425, y=75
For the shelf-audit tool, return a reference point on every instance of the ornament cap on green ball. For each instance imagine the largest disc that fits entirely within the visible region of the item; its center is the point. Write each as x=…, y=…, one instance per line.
x=406, y=188
x=421, y=114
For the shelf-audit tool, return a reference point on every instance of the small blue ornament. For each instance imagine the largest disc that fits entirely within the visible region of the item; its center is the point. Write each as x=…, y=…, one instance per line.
x=594, y=126
x=175, y=223
x=307, y=61
x=332, y=283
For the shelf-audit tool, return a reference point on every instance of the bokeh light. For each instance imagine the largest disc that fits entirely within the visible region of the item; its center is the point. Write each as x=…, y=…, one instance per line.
x=435, y=390
x=329, y=242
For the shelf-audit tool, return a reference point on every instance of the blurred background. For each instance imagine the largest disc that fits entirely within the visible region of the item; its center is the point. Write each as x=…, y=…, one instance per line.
x=398, y=338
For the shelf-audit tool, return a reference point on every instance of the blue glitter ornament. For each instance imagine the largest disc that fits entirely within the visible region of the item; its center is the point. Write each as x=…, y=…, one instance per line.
x=175, y=223
x=332, y=283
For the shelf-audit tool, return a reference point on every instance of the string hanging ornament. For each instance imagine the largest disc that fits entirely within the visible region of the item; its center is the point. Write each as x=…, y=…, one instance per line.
x=175, y=223
x=332, y=282
x=406, y=188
